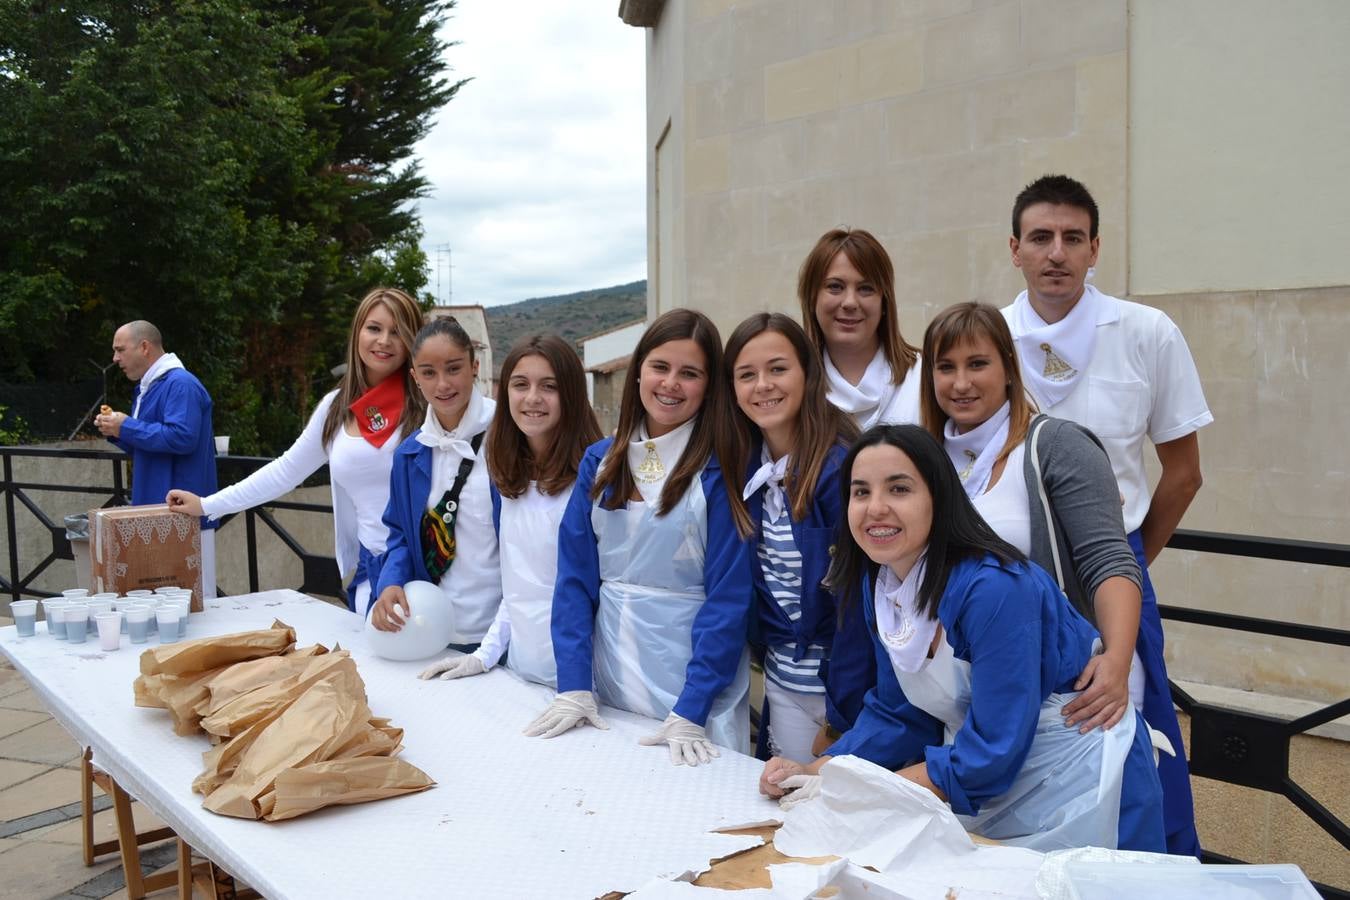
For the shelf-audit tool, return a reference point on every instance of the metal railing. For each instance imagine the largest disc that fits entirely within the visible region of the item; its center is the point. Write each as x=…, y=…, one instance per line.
x=319, y=570
x=1246, y=748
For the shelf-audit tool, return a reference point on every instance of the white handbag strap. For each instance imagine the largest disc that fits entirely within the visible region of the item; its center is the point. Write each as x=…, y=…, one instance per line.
x=1045, y=501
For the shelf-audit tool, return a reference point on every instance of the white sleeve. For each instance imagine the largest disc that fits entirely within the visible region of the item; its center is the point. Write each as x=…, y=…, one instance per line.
x=1179, y=406
x=495, y=642
x=281, y=475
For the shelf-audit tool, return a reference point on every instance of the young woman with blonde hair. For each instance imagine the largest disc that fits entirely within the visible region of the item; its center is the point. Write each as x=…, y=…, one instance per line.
x=354, y=429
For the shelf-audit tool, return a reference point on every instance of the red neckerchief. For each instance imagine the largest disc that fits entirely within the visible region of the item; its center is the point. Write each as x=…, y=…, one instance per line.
x=378, y=410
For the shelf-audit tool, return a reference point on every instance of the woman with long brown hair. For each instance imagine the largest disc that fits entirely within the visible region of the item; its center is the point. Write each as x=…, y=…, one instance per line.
x=653, y=589
x=790, y=442
x=533, y=454
x=1045, y=486
x=354, y=429
x=846, y=287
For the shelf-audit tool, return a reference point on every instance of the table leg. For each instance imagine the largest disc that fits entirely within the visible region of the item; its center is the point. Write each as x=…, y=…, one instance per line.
x=184, y=870
x=126, y=837
x=87, y=805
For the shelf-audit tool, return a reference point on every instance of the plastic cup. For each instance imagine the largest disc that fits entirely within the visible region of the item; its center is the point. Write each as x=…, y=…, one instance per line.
x=104, y=595
x=53, y=610
x=169, y=618
x=185, y=605
x=138, y=622
x=76, y=616
x=75, y=593
x=25, y=617
x=109, y=630
x=222, y=444
x=142, y=593
x=167, y=589
x=98, y=607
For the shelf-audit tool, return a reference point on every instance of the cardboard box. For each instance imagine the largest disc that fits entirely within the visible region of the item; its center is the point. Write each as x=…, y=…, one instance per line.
x=145, y=547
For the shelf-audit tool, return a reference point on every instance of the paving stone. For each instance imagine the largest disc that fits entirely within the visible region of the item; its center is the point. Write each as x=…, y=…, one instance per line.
x=105, y=827
x=45, y=742
x=26, y=700
x=14, y=720
x=51, y=789
x=39, y=869
x=13, y=771
x=10, y=680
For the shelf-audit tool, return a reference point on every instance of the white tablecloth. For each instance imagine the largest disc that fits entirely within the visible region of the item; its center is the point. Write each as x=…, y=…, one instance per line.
x=511, y=816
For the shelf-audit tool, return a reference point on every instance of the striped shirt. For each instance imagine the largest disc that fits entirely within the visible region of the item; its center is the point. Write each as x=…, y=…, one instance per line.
x=781, y=563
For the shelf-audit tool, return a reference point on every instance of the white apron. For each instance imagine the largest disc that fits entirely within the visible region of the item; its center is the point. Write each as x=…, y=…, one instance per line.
x=651, y=588
x=1068, y=791
x=529, y=537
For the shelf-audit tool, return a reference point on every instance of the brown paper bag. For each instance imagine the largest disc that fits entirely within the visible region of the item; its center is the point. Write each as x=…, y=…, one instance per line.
x=245, y=709
x=326, y=716
x=339, y=782
x=213, y=652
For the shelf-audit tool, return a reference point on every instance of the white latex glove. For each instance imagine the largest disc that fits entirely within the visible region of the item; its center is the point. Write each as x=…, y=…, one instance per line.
x=689, y=744
x=454, y=667
x=803, y=788
x=567, y=711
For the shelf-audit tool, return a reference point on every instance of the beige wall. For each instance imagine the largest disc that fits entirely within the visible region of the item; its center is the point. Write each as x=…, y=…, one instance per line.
x=1242, y=108
x=921, y=119
x=918, y=121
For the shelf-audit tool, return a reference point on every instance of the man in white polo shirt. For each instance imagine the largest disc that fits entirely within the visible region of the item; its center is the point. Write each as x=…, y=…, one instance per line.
x=1124, y=371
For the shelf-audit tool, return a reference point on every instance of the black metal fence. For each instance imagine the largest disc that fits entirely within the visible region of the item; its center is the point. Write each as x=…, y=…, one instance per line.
x=1232, y=746
x=319, y=569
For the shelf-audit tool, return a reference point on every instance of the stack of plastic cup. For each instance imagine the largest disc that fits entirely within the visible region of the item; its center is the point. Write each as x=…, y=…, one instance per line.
x=76, y=616
x=25, y=617
x=52, y=609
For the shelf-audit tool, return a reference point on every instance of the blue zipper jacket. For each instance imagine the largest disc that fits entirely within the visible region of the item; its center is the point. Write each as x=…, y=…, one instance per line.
x=718, y=633
x=170, y=441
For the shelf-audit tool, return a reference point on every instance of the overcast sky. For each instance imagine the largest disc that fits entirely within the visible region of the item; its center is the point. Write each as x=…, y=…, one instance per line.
x=537, y=165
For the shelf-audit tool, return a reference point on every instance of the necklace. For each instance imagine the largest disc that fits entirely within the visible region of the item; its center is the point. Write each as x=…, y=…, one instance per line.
x=650, y=470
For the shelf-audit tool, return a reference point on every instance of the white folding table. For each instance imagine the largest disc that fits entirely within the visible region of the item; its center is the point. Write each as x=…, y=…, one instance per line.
x=581, y=815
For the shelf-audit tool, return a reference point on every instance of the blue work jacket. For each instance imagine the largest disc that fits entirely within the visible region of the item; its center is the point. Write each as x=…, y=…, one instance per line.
x=170, y=440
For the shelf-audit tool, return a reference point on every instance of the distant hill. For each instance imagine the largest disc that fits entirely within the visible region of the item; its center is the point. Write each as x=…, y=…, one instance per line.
x=571, y=316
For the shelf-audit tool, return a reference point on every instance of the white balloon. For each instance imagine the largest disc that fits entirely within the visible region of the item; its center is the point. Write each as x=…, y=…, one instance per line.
x=430, y=625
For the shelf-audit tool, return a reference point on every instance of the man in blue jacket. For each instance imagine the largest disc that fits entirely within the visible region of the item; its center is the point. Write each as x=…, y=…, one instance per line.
x=168, y=433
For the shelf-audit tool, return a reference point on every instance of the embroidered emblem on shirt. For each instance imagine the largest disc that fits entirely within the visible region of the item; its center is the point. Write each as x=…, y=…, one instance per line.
x=651, y=470
x=965, y=473
x=1056, y=369
x=377, y=420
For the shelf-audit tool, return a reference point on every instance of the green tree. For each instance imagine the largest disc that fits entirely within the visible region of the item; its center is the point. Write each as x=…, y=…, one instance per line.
x=234, y=171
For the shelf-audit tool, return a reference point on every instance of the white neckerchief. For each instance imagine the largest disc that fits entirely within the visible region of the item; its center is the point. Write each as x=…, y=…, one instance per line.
x=769, y=475
x=1055, y=355
x=162, y=366
x=449, y=447
x=905, y=634
x=870, y=397
x=651, y=460
x=974, y=452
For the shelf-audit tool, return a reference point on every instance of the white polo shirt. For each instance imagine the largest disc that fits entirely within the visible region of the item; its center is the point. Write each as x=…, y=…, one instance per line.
x=1142, y=382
